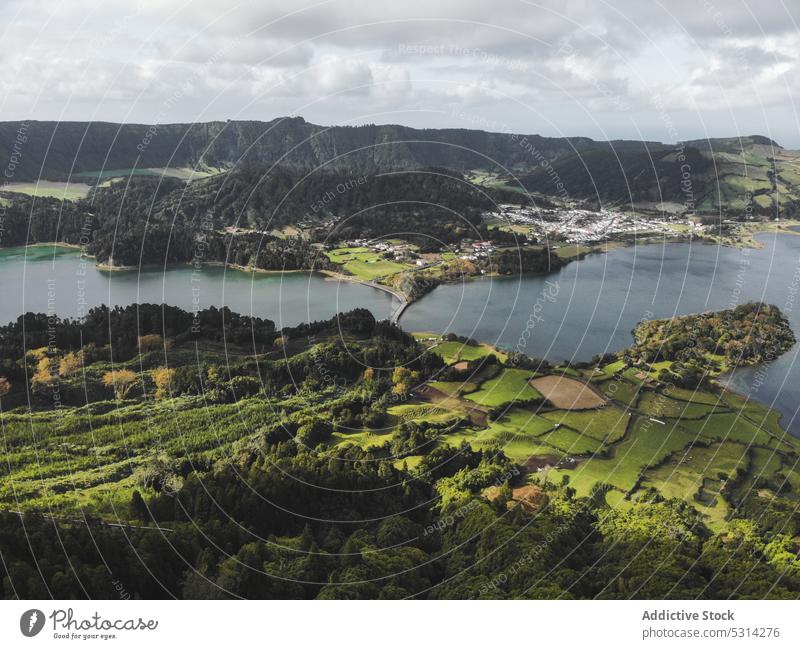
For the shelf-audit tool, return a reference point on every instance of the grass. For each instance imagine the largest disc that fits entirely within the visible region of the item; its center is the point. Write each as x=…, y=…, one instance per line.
x=659, y=405
x=519, y=420
x=518, y=433
x=622, y=391
x=730, y=427
x=572, y=251
x=418, y=411
x=365, y=439
x=411, y=462
x=571, y=442
x=454, y=388
x=453, y=351
x=695, y=396
x=113, y=173
x=510, y=385
x=47, y=188
x=695, y=477
x=605, y=424
x=763, y=463
x=365, y=264
x=648, y=445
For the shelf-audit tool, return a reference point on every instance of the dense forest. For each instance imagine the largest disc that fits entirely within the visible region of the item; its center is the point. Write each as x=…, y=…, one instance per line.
x=235, y=460
x=739, y=177
x=149, y=220
x=60, y=150
x=708, y=343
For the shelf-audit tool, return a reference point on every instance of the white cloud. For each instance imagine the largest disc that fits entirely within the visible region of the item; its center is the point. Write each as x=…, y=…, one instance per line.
x=575, y=65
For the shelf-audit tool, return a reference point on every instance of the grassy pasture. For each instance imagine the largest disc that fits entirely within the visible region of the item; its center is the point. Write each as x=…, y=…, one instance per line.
x=622, y=391
x=48, y=188
x=696, y=396
x=606, y=424
x=659, y=405
x=648, y=445
x=453, y=351
x=510, y=385
x=364, y=439
x=694, y=476
x=419, y=411
x=454, y=388
x=571, y=442
x=365, y=264
x=518, y=433
x=729, y=427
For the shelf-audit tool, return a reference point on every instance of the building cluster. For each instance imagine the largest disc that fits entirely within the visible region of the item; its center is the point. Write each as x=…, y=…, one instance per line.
x=472, y=250
x=586, y=226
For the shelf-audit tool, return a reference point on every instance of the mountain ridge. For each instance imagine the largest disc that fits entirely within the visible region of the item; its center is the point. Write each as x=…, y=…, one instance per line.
x=57, y=150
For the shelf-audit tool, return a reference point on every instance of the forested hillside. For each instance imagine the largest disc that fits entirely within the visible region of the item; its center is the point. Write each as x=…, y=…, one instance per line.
x=211, y=456
x=160, y=220
x=59, y=150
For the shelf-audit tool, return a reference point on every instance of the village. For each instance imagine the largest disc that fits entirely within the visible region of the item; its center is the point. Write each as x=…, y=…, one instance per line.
x=580, y=226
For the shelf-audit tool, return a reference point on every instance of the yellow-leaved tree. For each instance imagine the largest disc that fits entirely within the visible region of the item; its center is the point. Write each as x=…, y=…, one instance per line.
x=162, y=377
x=121, y=381
x=45, y=374
x=70, y=363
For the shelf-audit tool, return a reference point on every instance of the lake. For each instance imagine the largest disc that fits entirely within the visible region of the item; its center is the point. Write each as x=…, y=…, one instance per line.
x=56, y=280
x=590, y=307
x=586, y=308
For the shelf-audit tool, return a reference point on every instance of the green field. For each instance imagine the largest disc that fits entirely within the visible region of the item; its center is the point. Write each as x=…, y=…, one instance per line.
x=730, y=427
x=453, y=351
x=510, y=385
x=623, y=391
x=659, y=405
x=518, y=433
x=454, y=388
x=364, y=439
x=417, y=411
x=365, y=264
x=696, y=476
x=605, y=424
x=66, y=191
x=648, y=445
x=571, y=442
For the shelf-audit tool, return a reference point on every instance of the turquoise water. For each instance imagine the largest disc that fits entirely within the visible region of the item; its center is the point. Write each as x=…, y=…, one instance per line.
x=591, y=307
x=51, y=279
x=586, y=308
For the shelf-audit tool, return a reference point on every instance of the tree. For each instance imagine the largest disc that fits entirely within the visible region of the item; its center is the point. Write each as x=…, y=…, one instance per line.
x=312, y=433
x=121, y=381
x=38, y=353
x=44, y=374
x=151, y=343
x=70, y=363
x=162, y=377
x=403, y=379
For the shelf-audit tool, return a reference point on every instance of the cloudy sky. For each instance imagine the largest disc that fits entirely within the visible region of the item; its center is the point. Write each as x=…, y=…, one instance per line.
x=642, y=69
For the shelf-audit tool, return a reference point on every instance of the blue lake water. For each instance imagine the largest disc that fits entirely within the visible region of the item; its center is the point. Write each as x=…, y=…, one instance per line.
x=591, y=307
x=586, y=308
x=47, y=279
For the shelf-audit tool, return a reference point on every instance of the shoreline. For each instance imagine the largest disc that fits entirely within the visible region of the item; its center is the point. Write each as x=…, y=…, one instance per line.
x=404, y=302
x=106, y=268
x=396, y=313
